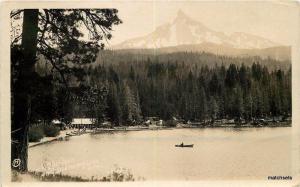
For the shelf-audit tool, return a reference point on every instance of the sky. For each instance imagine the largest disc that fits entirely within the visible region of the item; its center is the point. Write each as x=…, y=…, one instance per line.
x=274, y=20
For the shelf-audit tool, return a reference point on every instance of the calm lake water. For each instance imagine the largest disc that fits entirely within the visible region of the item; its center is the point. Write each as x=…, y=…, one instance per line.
x=248, y=153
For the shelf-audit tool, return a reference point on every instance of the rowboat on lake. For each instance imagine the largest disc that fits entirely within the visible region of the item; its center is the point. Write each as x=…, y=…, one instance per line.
x=182, y=145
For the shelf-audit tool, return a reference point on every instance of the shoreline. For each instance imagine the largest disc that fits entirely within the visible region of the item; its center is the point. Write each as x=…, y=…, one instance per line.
x=66, y=134
x=63, y=135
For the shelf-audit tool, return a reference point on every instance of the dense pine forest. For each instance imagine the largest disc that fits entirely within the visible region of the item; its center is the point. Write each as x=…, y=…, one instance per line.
x=128, y=91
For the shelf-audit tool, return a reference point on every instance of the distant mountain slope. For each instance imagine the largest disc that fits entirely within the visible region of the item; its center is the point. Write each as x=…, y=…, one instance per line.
x=184, y=31
x=278, y=53
x=127, y=57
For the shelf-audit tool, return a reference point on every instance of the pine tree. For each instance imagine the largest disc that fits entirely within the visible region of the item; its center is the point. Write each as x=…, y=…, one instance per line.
x=114, y=111
x=202, y=112
x=54, y=34
x=231, y=76
x=238, y=103
x=137, y=113
x=213, y=109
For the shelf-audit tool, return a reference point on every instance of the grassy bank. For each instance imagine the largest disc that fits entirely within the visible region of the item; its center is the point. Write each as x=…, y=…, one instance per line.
x=119, y=175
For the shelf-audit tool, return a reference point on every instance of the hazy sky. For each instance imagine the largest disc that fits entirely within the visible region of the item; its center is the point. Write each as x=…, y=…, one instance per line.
x=276, y=21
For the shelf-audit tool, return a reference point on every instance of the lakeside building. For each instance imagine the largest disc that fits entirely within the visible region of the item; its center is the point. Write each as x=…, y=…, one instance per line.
x=83, y=122
x=153, y=121
x=89, y=123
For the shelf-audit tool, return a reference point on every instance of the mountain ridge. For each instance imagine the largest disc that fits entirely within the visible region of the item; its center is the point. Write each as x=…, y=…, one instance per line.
x=184, y=30
x=282, y=53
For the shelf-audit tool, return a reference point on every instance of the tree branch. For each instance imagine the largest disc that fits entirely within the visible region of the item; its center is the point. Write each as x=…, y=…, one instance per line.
x=14, y=13
x=52, y=62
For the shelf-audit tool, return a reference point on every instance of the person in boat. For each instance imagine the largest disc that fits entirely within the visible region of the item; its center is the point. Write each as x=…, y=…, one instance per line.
x=181, y=144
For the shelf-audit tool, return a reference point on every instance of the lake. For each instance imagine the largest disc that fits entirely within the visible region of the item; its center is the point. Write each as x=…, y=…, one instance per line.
x=218, y=153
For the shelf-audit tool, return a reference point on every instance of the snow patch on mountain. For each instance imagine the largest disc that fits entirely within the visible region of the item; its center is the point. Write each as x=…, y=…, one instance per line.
x=184, y=30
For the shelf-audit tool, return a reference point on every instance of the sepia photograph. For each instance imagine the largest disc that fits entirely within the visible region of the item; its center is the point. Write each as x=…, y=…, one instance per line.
x=142, y=91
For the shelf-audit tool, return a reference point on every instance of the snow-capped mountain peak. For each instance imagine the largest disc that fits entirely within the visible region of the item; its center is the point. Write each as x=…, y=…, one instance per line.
x=182, y=17
x=184, y=30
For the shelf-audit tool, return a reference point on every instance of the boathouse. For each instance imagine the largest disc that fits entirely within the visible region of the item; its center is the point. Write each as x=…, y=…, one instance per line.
x=83, y=122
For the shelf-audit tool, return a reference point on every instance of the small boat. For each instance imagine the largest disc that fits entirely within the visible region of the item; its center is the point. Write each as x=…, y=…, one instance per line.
x=187, y=145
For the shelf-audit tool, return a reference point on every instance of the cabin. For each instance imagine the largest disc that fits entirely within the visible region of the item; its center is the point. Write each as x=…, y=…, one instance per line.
x=153, y=121
x=219, y=121
x=229, y=121
x=106, y=124
x=159, y=122
x=83, y=123
x=147, y=122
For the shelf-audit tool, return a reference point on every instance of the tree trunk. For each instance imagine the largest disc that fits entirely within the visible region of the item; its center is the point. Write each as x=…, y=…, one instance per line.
x=21, y=92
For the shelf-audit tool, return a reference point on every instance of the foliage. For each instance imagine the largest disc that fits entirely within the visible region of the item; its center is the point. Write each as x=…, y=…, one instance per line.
x=15, y=176
x=90, y=101
x=51, y=130
x=61, y=45
x=170, y=123
x=55, y=35
x=40, y=176
x=126, y=58
x=119, y=175
x=192, y=92
x=36, y=133
x=60, y=34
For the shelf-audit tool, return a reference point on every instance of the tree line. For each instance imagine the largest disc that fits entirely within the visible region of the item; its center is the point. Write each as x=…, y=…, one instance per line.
x=128, y=93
